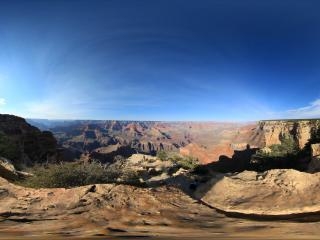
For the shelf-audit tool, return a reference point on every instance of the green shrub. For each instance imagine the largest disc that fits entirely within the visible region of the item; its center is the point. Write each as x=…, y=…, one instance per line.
x=288, y=147
x=186, y=162
x=284, y=155
x=75, y=174
x=162, y=155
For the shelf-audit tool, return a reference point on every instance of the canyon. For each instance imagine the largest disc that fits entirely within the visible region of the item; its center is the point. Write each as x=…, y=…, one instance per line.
x=214, y=200
x=206, y=141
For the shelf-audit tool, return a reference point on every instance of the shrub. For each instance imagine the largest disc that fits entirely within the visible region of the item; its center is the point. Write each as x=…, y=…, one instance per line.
x=284, y=155
x=288, y=147
x=162, y=155
x=75, y=174
x=186, y=162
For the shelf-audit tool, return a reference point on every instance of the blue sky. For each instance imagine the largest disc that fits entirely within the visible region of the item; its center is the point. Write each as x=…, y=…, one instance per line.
x=160, y=60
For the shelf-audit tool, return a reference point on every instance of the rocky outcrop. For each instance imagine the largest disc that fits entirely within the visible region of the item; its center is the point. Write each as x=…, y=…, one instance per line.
x=154, y=172
x=24, y=144
x=108, y=154
x=113, y=211
x=315, y=150
x=300, y=130
x=314, y=165
x=98, y=212
x=275, y=193
x=8, y=171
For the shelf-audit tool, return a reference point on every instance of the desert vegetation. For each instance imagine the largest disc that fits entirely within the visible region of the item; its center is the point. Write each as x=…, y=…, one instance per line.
x=186, y=162
x=284, y=155
x=288, y=147
x=78, y=174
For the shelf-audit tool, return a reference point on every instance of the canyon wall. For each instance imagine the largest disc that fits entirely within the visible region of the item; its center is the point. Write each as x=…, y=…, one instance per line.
x=24, y=144
x=300, y=130
x=206, y=141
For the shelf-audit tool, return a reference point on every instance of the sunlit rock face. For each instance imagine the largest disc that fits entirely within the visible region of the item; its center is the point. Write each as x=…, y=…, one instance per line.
x=300, y=130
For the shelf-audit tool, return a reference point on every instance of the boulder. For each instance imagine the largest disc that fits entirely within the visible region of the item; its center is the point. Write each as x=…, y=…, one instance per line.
x=315, y=150
x=7, y=169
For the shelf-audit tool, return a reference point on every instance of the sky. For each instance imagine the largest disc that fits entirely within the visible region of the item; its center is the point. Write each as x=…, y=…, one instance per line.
x=200, y=60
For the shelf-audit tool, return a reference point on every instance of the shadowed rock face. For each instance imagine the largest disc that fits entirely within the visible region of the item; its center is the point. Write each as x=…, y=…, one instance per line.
x=314, y=165
x=24, y=144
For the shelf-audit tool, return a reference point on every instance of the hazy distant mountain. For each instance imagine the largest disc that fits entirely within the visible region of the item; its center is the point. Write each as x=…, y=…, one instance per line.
x=46, y=124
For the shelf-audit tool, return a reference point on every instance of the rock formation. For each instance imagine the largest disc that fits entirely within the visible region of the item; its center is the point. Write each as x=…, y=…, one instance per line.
x=96, y=211
x=24, y=144
x=207, y=141
x=283, y=193
x=314, y=165
x=8, y=171
x=108, y=210
x=300, y=130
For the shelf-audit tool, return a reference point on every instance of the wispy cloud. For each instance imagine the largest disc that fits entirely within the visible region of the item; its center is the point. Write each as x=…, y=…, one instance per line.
x=310, y=111
x=2, y=102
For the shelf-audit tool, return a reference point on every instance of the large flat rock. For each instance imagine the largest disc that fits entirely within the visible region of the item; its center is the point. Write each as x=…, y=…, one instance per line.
x=109, y=211
x=273, y=193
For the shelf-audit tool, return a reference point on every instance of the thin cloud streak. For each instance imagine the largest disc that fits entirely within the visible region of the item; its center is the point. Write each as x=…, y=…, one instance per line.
x=310, y=111
x=2, y=102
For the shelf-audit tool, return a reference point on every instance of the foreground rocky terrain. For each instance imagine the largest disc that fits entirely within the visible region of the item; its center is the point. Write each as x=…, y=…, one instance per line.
x=121, y=211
